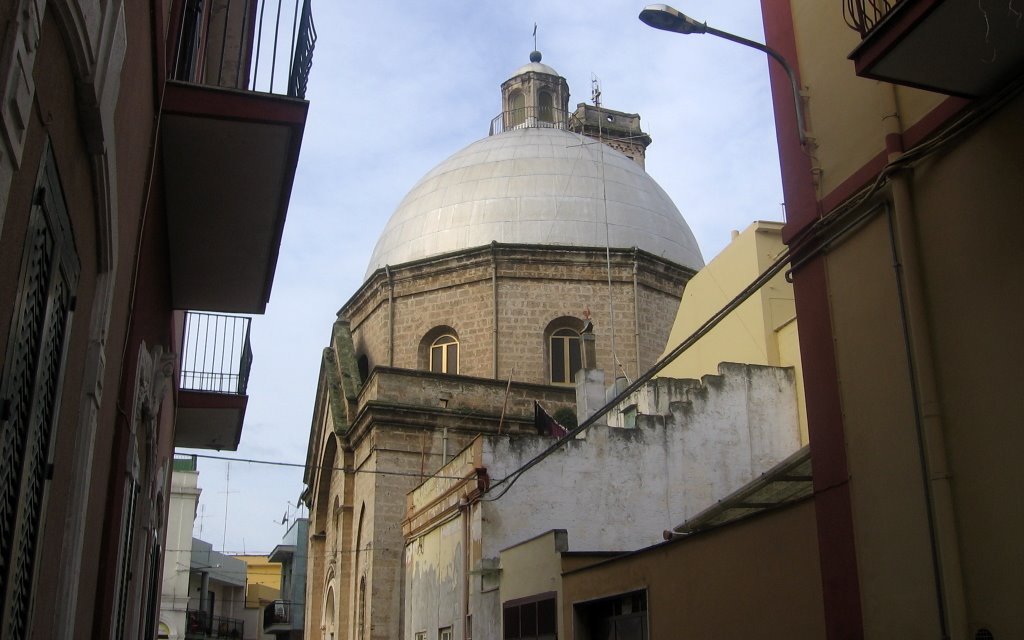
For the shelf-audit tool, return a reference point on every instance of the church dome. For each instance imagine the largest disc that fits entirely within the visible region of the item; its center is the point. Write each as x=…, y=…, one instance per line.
x=536, y=67
x=536, y=186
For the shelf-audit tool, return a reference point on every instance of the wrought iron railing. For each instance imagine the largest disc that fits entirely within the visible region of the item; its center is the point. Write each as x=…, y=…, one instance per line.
x=200, y=624
x=254, y=45
x=863, y=15
x=277, y=612
x=531, y=118
x=184, y=462
x=216, y=354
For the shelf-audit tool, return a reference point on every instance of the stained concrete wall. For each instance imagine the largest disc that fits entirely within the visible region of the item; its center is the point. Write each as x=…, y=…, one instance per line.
x=615, y=489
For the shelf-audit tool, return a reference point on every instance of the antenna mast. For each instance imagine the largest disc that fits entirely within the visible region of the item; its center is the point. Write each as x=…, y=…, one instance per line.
x=595, y=95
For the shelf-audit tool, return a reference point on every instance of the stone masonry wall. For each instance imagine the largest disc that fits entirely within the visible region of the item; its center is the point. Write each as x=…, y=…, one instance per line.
x=534, y=287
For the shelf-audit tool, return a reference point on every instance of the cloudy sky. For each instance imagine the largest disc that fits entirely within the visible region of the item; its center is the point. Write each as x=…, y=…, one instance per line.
x=396, y=88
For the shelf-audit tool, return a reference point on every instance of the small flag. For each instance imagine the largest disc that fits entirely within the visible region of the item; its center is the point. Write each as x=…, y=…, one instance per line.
x=545, y=424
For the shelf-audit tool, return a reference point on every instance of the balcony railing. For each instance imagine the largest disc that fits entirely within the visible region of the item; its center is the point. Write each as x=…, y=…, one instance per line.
x=277, y=612
x=254, y=45
x=216, y=354
x=863, y=15
x=184, y=462
x=200, y=624
x=531, y=118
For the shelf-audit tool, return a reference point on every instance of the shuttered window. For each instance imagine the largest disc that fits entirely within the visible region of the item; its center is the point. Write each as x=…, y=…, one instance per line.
x=30, y=390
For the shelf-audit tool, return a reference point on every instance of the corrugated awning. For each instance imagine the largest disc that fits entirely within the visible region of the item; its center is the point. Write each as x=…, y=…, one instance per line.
x=786, y=482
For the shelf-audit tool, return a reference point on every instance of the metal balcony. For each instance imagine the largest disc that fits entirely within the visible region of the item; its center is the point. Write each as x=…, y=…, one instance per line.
x=255, y=45
x=200, y=625
x=216, y=357
x=863, y=15
x=277, y=617
x=957, y=47
x=232, y=118
x=530, y=118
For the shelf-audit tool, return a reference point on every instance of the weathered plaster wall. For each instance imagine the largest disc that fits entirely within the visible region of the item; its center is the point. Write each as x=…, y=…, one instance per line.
x=433, y=569
x=761, y=330
x=615, y=489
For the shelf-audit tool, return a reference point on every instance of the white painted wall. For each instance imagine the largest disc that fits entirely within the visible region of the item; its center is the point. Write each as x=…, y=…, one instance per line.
x=614, y=489
x=181, y=513
x=617, y=489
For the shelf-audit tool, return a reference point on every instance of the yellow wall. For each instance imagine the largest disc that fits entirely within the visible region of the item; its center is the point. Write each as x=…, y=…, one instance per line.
x=754, y=578
x=265, y=574
x=965, y=202
x=844, y=113
x=532, y=567
x=760, y=331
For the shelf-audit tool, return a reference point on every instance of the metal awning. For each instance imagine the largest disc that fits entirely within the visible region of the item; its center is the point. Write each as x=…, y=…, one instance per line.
x=786, y=482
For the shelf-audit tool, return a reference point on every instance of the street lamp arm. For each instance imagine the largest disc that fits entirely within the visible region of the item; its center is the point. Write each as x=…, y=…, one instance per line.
x=664, y=17
x=797, y=99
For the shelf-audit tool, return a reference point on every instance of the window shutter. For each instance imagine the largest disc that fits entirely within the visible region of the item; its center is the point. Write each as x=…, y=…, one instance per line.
x=30, y=390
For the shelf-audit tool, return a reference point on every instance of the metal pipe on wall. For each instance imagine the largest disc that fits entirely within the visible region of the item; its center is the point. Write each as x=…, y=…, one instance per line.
x=924, y=387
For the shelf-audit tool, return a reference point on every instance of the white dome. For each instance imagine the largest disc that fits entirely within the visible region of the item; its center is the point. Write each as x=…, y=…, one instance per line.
x=537, y=67
x=535, y=186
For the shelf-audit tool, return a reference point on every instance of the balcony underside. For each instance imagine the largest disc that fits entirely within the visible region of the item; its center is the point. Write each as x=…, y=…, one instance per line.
x=955, y=47
x=229, y=161
x=209, y=420
x=278, y=628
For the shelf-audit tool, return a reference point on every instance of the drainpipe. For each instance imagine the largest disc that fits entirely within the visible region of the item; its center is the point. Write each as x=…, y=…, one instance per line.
x=391, y=316
x=204, y=597
x=494, y=295
x=444, y=446
x=636, y=311
x=467, y=510
x=924, y=388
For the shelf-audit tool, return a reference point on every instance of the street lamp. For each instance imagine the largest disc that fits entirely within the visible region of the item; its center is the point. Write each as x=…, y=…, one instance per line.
x=664, y=17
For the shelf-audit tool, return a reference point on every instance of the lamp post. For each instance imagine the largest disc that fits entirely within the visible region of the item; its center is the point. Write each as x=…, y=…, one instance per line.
x=664, y=17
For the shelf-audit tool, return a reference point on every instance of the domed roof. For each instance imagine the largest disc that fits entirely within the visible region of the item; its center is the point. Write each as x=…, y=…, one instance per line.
x=535, y=186
x=538, y=67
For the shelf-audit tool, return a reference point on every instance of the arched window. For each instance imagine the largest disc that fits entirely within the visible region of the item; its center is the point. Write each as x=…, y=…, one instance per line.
x=565, y=355
x=546, y=107
x=363, y=363
x=444, y=354
x=516, y=109
x=329, y=628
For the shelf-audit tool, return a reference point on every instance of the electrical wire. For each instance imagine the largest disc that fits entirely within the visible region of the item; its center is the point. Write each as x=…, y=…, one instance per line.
x=277, y=463
x=819, y=235
x=773, y=269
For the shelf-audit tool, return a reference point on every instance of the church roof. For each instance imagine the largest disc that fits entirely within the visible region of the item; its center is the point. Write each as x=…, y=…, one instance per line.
x=535, y=186
x=538, y=67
